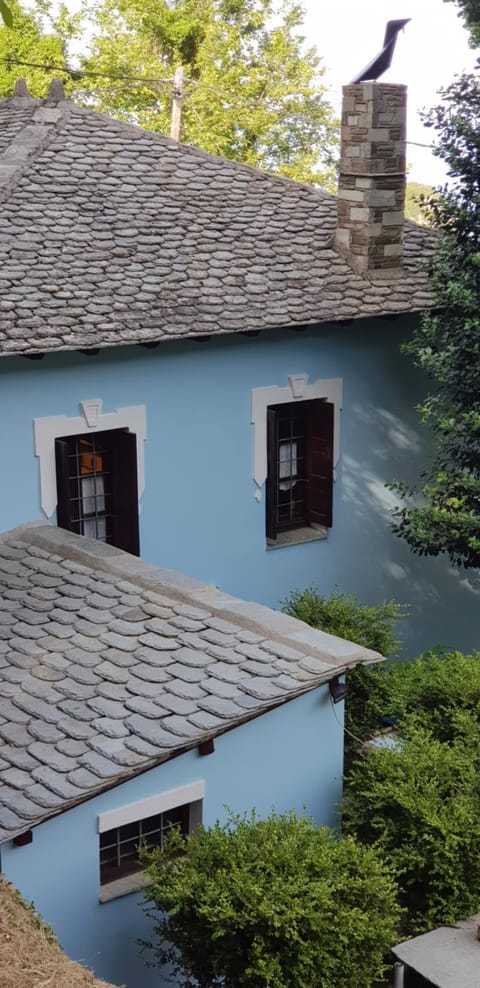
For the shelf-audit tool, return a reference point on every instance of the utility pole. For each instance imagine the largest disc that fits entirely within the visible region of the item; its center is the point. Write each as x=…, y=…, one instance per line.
x=176, y=124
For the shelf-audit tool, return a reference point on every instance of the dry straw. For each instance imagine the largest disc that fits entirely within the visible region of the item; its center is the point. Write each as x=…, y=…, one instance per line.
x=29, y=954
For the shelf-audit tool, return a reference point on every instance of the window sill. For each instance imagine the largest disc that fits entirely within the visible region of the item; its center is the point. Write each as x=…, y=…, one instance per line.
x=297, y=536
x=123, y=886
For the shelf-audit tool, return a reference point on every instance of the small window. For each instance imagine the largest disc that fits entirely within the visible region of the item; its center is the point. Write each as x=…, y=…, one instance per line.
x=120, y=847
x=97, y=487
x=300, y=466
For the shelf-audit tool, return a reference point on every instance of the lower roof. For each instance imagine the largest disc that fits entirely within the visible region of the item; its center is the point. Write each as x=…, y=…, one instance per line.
x=109, y=666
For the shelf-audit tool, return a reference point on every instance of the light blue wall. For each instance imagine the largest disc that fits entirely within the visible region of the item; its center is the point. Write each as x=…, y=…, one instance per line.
x=199, y=514
x=290, y=758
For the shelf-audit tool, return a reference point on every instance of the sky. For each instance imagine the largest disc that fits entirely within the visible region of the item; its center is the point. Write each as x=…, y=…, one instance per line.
x=430, y=51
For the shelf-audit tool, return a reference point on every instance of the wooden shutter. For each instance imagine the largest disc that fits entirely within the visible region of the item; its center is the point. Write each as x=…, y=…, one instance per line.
x=64, y=501
x=320, y=462
x=272, y=473
x=123, y=450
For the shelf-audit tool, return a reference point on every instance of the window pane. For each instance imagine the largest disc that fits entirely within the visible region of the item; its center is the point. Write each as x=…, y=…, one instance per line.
x=93, y=494
x=129, y=830
x=287, y=466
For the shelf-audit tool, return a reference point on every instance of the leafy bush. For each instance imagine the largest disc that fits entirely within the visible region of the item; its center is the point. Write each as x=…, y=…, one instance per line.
x=419, y=806
x=271, y=903
x=341, y=614
x=371, y=626
x=435, y=687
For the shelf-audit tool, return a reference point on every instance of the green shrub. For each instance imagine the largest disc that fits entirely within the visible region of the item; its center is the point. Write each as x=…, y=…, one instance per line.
x=371, y=626
x=419, y=806
x=341, y=614
x=273, y=903
x=436, y=686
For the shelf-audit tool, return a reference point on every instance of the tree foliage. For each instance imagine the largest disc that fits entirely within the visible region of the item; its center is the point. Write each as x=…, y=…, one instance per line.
x=419, y=806
x=470, y=11
x=436, y=687
x=252, y=91
x=447, y=346
x=416, y=194
x=373, y=627
x=272, y=903
x=28, y=39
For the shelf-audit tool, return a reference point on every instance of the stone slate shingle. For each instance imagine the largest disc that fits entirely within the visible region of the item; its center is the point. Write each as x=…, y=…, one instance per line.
x=111, y=235
x=114, y=711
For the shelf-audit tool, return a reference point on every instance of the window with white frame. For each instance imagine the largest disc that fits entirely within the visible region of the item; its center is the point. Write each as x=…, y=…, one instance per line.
x=296, y=434
x=92, y=471
x=145, y=824
x=120, y=848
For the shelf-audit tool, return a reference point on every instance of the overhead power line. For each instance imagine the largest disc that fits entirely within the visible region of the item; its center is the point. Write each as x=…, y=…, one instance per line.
x=79, y=73
x=178, y=86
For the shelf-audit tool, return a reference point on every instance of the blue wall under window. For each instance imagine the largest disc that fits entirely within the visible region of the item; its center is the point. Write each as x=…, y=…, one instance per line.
x=198, y=512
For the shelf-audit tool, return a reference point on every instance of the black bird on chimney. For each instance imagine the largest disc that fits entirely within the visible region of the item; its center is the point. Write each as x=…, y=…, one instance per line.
x=383, y=60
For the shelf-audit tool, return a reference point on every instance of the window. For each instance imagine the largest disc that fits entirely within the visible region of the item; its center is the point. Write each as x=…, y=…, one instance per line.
x=119, y=848
x=147, y=821
x=97, y=487
x=299, y=467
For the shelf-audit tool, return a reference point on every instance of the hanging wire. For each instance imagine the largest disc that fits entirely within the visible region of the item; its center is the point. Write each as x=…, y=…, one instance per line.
x=79, y=73
x=190, y=84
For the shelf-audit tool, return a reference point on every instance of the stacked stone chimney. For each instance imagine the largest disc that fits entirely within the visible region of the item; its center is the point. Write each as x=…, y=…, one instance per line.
x=371, y=187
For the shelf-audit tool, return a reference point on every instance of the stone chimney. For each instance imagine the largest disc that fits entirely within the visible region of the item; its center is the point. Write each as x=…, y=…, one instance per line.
x=371, y=185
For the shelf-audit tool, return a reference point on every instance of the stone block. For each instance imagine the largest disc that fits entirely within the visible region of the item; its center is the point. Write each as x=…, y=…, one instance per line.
x=393, y=219
x=359, y=214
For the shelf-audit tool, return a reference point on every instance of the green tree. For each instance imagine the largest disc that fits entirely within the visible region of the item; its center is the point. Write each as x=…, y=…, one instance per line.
x=29, y=40
x=6, y=13
x=269, y=903
x=470, y=11
x=252, y=91
x=419, y=806
x=416, y=194
x=446, y=517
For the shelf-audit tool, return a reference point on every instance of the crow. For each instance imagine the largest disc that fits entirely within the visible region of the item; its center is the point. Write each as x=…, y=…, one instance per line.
x=383, y=60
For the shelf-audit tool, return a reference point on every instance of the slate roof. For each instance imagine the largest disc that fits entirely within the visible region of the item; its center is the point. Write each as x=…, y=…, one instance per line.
x=112, y=235
x=109, y=666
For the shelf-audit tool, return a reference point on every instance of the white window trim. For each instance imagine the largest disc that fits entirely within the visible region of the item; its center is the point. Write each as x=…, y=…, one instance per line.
x=298, y=389
x=47, y=430
x=143, y=808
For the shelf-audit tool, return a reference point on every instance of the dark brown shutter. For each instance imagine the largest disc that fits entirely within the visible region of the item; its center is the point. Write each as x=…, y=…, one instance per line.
x=64, y=501
x=320, y=462
x=272, y=473
x=123, y=449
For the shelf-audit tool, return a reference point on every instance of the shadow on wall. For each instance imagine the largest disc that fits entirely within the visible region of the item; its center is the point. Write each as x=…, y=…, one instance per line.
x=442, y=600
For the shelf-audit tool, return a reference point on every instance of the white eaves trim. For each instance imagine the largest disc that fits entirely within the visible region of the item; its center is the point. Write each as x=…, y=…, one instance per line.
x=143, y=808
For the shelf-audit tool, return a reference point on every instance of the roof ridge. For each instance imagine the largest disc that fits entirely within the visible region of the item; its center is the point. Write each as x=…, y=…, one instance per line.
x=47, y=118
